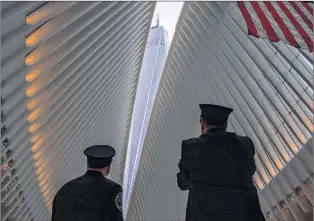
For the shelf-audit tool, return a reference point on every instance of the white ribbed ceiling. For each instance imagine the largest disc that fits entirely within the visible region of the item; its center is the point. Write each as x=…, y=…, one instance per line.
x=69, y=72
x=269, y=86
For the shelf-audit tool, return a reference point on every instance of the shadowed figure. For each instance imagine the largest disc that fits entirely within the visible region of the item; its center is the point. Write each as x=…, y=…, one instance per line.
x=217, y=168
x=91, y=197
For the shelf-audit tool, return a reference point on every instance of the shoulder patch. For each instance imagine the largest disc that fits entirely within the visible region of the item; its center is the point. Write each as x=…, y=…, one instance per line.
x=118, y=201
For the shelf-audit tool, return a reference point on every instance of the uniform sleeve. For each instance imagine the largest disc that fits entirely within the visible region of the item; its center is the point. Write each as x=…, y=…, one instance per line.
x=116, y=213
x=182, y=176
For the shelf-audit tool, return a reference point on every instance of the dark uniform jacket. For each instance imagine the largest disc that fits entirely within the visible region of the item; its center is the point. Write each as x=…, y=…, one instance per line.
x=91, y=197
x=217, y=168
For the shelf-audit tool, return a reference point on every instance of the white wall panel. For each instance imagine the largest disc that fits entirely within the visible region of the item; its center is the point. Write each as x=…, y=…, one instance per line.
x=69, y=72
x=269, y=86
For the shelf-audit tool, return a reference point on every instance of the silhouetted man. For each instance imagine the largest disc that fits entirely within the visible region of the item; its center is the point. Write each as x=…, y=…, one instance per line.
x=217, y=168
x=91, y=197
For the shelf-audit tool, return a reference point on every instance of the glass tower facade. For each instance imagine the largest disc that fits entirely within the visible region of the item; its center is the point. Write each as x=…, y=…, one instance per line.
x=152, y=66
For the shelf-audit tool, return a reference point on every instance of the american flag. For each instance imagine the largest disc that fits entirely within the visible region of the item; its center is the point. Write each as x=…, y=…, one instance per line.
x=290, y=22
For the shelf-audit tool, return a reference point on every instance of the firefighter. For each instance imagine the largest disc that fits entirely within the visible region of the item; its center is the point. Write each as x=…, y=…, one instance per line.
x=91, y=197
x=217, y=168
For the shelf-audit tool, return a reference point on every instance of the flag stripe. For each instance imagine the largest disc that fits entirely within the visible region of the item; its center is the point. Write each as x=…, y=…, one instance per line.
x=265, y=22
x=303, y=16
x=250, y=24
x=290, y=26
x=299, y=28
x=290, y=22
x=308, y=14
x=297, y=17
x=259, y=28
x=285, y=30
x=308, y=7
x=272, y=21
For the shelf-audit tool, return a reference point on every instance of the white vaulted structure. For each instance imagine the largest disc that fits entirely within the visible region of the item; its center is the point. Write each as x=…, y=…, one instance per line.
x=269, y=85
x=69, y=72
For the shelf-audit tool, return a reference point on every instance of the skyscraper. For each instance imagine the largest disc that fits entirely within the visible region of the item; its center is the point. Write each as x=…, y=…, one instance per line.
x=153, y=63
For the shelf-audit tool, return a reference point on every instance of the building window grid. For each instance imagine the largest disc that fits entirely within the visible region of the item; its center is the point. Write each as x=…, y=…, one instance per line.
x=154, y=43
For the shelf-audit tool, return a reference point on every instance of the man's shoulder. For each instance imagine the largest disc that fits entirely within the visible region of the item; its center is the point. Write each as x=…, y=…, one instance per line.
x=111, y=185
x=191, y=144
x=246, y=140
x=110, y=182
x=192, y=141
x=66, y=188
x=82, y=181
x=247, y=143
x=115, y=192
x=203, y=139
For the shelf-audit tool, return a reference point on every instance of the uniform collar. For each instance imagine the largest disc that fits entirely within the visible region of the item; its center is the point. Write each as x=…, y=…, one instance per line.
x=93, y=173
x=216, y=130
x=213, y=131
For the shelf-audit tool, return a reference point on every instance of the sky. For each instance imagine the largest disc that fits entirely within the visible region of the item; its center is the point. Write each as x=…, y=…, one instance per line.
x=169, y=13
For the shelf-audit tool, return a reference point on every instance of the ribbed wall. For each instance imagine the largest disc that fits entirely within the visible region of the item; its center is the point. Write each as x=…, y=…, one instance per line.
x=68, y=79
x=269, y=85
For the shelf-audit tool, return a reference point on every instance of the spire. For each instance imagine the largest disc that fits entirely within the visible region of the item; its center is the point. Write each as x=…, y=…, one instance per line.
x=157, y=20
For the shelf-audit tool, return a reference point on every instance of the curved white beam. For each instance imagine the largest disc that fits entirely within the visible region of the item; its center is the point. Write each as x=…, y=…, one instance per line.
x=269, y=86
x=68, y=80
